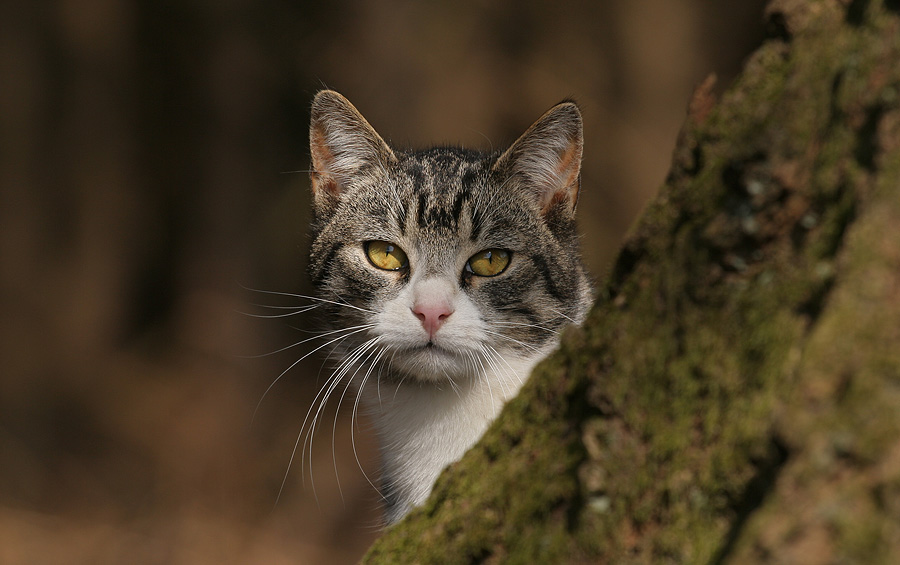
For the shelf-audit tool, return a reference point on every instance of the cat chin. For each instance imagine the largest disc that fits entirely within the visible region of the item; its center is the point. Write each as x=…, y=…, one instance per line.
x=432, y=364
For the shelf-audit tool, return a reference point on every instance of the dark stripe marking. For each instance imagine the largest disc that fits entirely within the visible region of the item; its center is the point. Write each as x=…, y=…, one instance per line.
x=324, y=267
x=401, y=219
x=420, y=213
x=461, y=199
x=548, y=277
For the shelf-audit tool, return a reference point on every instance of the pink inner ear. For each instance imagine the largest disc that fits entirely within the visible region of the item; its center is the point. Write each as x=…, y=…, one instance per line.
x=323, y=181
x=567, y=170
x=325, y=184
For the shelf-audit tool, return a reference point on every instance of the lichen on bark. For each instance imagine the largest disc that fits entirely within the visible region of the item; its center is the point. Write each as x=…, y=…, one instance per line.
x=734, y=395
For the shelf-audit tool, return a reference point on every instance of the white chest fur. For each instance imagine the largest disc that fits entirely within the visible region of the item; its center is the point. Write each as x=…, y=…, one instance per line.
x=424, y=427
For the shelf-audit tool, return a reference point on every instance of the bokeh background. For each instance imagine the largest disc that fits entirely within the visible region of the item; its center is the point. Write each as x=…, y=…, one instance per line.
x=152, y=168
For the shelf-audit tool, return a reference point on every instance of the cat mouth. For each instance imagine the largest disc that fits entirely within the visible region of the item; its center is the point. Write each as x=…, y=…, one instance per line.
x=434, y=350
x=431, y=362
x=433, y=347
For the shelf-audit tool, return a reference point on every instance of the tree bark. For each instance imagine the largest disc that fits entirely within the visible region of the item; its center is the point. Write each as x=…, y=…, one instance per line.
x=734, y=395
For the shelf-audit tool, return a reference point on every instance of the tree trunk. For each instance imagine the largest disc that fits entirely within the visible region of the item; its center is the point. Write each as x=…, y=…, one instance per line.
x=735, y=393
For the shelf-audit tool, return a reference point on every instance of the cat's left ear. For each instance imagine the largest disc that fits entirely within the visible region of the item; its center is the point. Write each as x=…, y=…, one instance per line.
x=547, y=157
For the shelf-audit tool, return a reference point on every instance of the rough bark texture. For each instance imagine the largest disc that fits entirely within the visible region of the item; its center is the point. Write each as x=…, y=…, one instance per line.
x=735, y=394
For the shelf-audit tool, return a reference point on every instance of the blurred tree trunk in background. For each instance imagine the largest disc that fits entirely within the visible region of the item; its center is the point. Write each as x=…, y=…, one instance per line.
x=735, y=393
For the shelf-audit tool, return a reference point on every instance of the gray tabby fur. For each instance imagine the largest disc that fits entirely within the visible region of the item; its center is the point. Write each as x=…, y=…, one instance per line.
x=431, y=395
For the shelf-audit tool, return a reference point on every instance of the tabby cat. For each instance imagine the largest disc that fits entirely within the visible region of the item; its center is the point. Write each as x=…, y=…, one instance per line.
x=447, y=275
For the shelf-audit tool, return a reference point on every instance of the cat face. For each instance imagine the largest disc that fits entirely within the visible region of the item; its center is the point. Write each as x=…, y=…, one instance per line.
x=448, y=261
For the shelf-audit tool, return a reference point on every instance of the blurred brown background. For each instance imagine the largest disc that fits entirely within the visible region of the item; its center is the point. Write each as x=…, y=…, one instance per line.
x=149, y=158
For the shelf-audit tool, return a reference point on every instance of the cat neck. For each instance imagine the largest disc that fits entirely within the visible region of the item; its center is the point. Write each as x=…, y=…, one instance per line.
x=423, y=427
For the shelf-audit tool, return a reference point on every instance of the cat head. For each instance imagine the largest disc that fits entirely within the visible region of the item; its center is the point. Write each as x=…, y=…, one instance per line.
x=448, y=260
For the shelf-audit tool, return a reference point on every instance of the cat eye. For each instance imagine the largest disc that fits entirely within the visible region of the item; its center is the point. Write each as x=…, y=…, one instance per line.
x=488, y=263
x=386, y=256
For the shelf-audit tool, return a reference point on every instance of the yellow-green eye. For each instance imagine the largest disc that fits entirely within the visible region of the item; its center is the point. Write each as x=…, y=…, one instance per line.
x=386, y=255
x=488, y=263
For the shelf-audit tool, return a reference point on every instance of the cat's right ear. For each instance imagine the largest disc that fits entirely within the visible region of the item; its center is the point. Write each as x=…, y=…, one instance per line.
x=342, y=143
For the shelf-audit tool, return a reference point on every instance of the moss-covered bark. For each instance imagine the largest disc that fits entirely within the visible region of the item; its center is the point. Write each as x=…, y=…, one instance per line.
x=735, y=393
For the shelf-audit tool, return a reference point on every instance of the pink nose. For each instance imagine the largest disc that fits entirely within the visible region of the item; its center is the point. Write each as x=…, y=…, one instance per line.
x=432, y=316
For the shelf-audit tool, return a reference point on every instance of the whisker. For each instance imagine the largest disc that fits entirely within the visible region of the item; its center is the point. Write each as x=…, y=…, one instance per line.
x=561, y=315
x=511, y=371
x=313, y=298
x=294, y=364
x=516, y=341
x=327, y=389
x=354, y=416
x=557, y=313
x=296, y=310
x=333, y=382
x=301, y=342
x=368, y=346
x=483, y=375
x=454, y=386
x=510, y=324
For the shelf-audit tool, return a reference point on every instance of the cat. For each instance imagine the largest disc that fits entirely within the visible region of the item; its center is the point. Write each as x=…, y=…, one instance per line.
x=446, y=273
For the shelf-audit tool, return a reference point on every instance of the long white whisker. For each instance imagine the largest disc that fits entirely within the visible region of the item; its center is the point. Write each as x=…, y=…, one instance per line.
x=302, y=341
x=557, y=316
x=505, y=362
x=483, y=375
x=313, y=298
x=516, y=341
x=333, y=382
x=508, y=324
x=400, y=383
x=354, y=415
x=561, y=315
x=294, y=364
x=296, y=310
x=294, y=451
x=368, y=346
x=324, y=393
x=454, y=386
